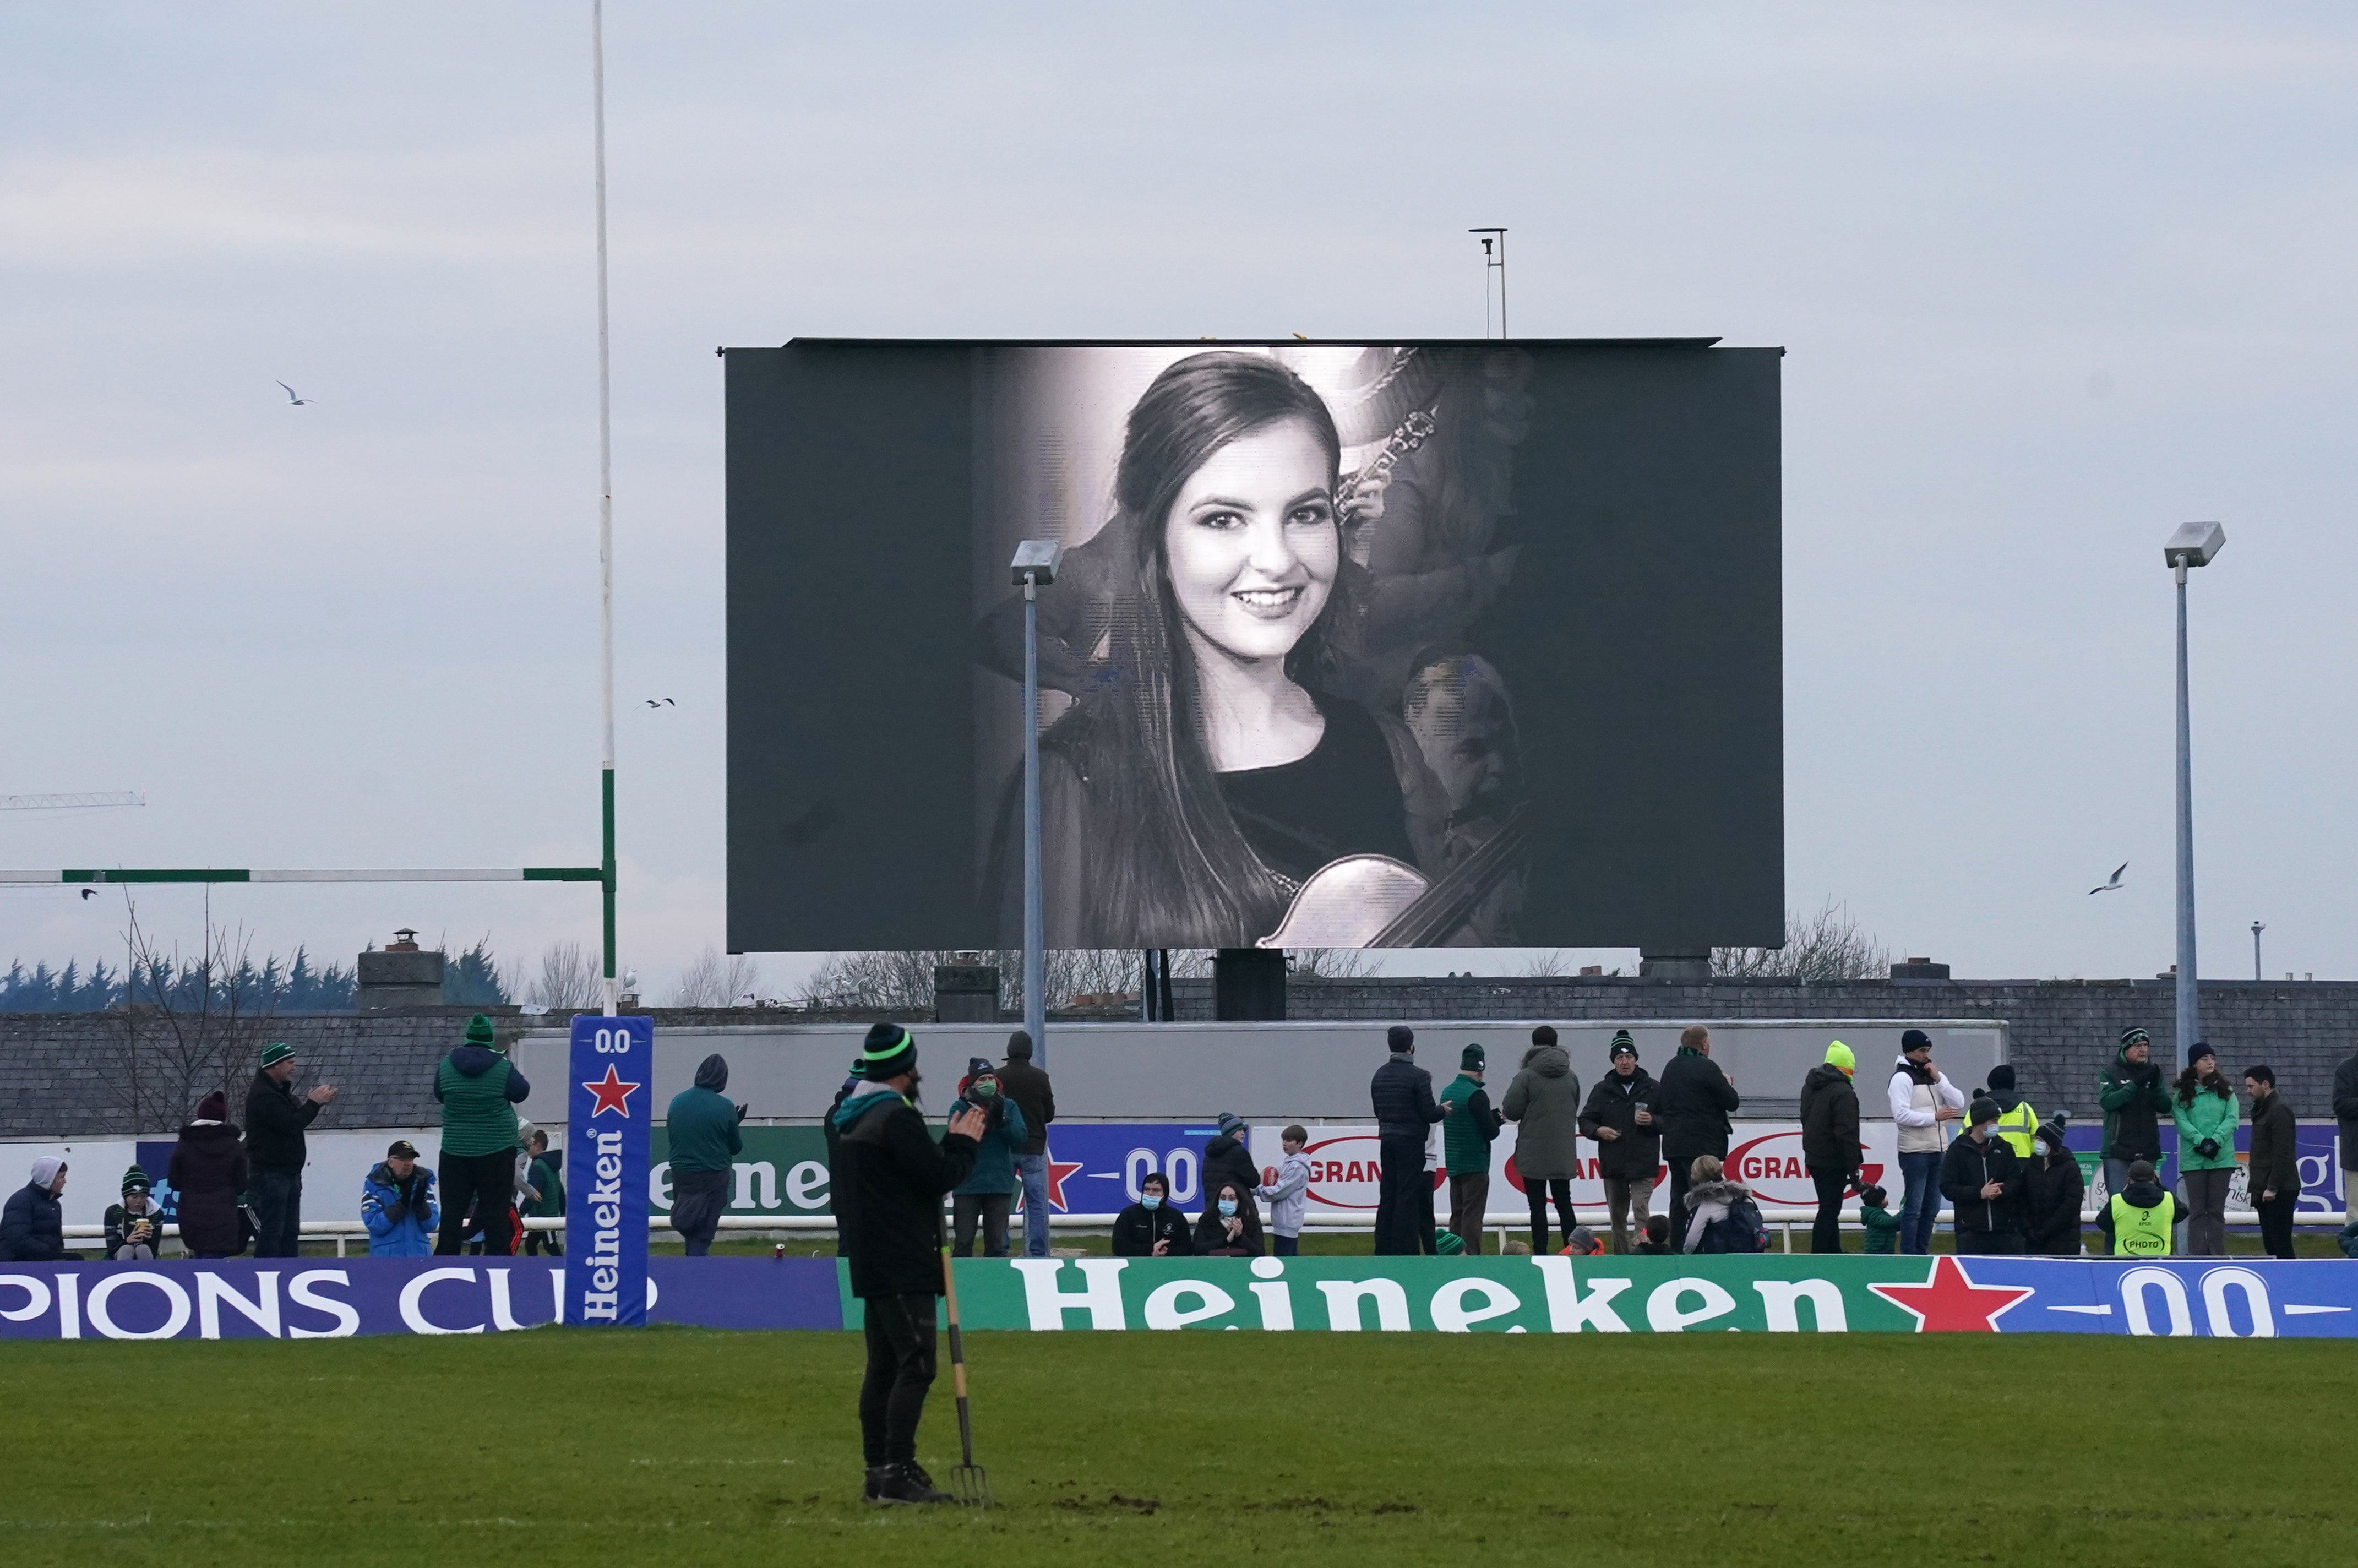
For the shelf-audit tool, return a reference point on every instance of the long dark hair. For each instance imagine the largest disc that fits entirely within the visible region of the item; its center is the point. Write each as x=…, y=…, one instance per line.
x=2190, y=1082
x=1171, y=867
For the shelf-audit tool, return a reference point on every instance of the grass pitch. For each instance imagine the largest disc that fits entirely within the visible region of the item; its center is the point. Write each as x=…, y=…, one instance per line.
x=680, y=1446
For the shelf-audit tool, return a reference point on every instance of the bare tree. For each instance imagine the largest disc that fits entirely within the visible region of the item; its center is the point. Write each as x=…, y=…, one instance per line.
x=569, y=977
x=197, y=1029
x=1330, y=962
x=904, y=982
x=1818, y=949
x=717, y=980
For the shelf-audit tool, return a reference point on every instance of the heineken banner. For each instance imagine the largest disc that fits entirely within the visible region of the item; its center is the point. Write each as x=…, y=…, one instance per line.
x=608, y=1117
x=1772, y=1293
x=335, y=1298
x=1769, y=1294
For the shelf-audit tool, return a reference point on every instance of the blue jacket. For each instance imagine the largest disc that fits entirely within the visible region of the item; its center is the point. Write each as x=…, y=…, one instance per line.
x=396, y=1229
x=32, y=1228
x=994, y=1160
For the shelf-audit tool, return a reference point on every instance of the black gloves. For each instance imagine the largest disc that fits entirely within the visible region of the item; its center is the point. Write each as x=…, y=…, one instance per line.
x=395, y=1213
x=2208, y=1149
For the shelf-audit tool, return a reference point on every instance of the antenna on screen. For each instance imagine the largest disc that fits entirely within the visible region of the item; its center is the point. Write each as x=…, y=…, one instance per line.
x=1494, y=259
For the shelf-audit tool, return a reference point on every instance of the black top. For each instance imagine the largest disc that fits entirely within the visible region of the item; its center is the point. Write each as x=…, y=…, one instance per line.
x=1401, y=1095
x=1344, y=798
x=1693, y=1109
x=890, y=1176
x=274, y=1120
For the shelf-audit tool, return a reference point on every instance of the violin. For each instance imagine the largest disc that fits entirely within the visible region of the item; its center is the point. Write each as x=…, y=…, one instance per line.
x=1374, y=901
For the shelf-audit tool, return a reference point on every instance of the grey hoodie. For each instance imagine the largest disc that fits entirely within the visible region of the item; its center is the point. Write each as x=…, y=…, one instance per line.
x=1289, y=1197
x=1544, y=1104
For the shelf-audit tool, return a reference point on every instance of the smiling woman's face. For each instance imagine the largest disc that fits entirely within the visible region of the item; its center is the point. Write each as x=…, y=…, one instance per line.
x=1252, y=542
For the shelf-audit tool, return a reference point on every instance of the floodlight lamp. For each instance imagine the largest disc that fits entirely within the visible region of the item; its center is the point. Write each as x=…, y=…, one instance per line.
x=1037, y=559
x=2194, y=545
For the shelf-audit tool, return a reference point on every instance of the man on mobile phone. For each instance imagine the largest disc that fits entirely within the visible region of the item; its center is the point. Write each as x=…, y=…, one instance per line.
x=1924, y=1106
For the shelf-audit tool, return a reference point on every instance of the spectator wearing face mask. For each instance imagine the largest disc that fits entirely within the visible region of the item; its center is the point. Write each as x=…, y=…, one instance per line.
x=1983, y=1181
x=1230, y=1226
x=2053, y=1190
x=1227, y=1157
x=987, y=1193
x=1151, y=1228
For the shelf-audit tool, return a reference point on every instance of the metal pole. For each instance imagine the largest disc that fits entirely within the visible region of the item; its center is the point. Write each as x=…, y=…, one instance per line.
x=1502, y=284
x=605, y=507
x=2257, y=929
x=2189, y=1015
x=1035, y=1002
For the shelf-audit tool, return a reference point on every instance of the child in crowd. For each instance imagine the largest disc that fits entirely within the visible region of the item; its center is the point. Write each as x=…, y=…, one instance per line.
x=1657, y=1243
x=1883, y=1227
x=1583, y=1243
x=1288, y=1196
x=547, y=1193
x=134, y=1227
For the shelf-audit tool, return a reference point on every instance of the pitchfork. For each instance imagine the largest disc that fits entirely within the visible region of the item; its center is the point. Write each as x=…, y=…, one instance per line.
x=969, y=1482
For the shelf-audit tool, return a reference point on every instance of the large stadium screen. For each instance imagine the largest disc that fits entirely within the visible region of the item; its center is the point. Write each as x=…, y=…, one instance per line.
x=1353, y=644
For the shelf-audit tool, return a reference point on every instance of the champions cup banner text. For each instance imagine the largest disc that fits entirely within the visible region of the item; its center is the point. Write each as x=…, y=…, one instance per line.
x=336, y=1298
x=608, y=1097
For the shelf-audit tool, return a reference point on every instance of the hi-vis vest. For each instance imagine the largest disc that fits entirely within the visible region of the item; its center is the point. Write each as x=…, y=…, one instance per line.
x=2019, y=1127
x=2140, y=1232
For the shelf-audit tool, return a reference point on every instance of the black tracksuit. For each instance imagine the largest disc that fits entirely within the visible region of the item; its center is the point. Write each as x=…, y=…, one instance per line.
x=1401, y=1094
x=1830, y=1148
x=1137, y=1228
x=1227, y=1159
x=888, y=1181
x=274, y=1120
x=1613, y=1101
x=2053, y=1190
x=2274, y=1165
x=1692, y=1111
x=1984, y=1225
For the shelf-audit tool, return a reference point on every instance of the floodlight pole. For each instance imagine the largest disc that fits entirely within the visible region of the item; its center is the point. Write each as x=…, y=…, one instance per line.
x=605, y=506
x=2257, y=929
x=2190, y=1013
x=1035, y=1002
x=1492, y=264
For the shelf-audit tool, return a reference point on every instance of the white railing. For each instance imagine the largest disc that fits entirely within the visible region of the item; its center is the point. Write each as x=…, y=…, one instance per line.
x=345, y=1231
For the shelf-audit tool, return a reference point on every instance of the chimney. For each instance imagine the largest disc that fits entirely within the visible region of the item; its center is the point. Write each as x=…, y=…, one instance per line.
x=402, y=975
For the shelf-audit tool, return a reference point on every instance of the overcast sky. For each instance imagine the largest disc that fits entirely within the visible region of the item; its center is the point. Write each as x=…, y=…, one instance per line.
x=2051, y=280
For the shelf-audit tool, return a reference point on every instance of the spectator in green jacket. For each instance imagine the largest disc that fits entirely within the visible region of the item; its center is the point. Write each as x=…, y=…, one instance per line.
x=2204, y=1106
x=1465, y=1138
x=987, y=1193
x=2135, y=1096
x=702, y=1129
x=480, y=1089
x=547, y=1197
x=1883, y=1227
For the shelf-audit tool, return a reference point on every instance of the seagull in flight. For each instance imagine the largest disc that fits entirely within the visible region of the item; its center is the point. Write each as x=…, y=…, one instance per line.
x=2111, y=885
x=293, y=400
x=666, y=702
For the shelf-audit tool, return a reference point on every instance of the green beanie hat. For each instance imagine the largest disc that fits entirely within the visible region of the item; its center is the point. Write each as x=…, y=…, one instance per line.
x=1839, y=1055
x=1448, y=1244
x=480, y=1032
x=278, y=1051
x=1471, y=1059
x=1621, y=1042
x=889, y=1052
x=134, y=1180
